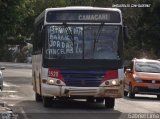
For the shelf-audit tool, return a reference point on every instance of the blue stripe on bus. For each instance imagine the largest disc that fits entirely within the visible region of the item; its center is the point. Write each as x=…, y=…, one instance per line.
x=83, y=78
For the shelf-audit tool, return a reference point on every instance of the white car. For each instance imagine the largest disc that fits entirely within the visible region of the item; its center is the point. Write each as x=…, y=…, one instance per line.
x=1, y=78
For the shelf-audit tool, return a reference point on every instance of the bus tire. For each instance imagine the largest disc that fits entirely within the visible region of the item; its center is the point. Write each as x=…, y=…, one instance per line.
x=47, y=101
x=90, y=99
x=125, y=93
x=100, y=100
x=38, y=97
x=109, y=102
x=158, y=96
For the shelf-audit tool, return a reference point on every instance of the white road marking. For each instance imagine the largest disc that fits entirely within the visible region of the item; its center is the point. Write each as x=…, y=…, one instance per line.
x=9, y=91
x=9, y=85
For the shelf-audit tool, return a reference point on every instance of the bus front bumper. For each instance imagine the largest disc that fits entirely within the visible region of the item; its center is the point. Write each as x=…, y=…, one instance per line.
x=67, y=91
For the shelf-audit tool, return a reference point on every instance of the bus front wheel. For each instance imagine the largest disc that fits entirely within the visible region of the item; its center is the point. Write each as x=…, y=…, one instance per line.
x=158, y=96
x=125, y=93
x=38, y=97
x=109, y=102
x=90, y=100
x=47, y=101
x=100, y=100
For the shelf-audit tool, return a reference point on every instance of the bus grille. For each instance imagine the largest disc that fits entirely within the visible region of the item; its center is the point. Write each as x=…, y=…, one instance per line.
x=83, y=78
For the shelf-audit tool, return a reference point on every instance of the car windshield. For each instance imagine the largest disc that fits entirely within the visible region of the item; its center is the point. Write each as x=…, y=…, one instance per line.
x=150, y=67
x=82, y=42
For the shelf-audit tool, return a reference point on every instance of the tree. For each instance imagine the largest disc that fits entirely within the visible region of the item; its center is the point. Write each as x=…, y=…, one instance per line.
x=17, y=21
x=14, y=15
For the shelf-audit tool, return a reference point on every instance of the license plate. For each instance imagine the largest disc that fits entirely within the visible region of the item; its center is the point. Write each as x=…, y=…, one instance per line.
x=153, y=87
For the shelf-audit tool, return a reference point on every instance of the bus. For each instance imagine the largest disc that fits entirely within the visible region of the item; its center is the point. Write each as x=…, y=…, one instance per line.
x=78, y=54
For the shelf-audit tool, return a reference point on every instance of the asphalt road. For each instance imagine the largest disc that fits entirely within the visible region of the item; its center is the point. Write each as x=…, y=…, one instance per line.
x=18, y=94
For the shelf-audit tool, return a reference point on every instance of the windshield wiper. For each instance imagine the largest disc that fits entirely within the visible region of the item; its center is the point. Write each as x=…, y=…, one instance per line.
x=96, y=38
x=70, y=33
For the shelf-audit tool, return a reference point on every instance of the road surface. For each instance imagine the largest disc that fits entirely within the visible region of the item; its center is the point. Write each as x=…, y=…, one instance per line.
x=18, y=94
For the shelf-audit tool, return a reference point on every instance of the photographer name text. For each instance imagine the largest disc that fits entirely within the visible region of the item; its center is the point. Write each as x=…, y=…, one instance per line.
x=131, y=5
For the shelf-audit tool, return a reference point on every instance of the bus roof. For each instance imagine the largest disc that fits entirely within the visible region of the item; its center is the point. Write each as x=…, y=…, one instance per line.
x=42, y=15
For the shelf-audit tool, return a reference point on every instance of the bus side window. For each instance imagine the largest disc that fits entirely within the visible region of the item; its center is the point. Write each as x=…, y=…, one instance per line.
x=40, y=44
x=38, y=38
x=35, y=41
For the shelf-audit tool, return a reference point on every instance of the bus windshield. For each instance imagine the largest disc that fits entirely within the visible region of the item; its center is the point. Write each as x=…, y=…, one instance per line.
x=82, y=42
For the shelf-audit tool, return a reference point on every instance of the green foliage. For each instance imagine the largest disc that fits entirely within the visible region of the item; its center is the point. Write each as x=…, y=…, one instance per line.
x=5, y=54
x=17, y=18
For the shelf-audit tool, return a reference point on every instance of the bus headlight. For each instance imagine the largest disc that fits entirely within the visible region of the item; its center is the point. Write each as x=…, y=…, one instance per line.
x=51, y=81
x=114, y=82
x=54, y=81
x=111, y=82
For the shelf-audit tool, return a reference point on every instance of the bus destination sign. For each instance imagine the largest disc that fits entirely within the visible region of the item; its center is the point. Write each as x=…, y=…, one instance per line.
x=83, y=16
x=94, y=17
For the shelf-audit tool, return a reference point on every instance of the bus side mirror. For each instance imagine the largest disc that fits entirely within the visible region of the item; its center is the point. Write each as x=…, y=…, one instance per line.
x=125, y=32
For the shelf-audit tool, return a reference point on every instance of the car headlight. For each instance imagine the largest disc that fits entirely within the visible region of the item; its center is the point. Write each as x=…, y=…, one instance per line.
x=138, y=80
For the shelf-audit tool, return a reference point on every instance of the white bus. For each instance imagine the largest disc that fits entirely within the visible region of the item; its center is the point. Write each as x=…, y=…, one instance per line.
x=78, y=53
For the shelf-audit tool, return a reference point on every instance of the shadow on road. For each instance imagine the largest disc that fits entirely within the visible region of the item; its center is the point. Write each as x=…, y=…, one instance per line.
x=18, y=80
x=65, y=109
x=72, y=105
x=143, y=98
